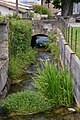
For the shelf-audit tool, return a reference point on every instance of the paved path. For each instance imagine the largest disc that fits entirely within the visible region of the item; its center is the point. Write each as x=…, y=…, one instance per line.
x=75, y=24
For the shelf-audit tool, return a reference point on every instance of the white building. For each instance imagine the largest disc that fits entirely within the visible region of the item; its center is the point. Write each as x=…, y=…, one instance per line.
x=9, y=8
x=76, y=8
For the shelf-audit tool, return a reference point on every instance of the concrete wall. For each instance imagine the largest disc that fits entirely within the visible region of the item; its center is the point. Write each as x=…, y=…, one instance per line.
x=3, y=54
x=72, y=62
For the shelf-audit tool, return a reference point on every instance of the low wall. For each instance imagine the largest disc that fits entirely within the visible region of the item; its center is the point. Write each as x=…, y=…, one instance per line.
x=72, y=62
x=3, y=54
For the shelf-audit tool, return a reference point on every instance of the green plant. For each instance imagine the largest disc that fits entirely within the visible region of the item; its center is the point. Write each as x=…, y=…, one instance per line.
x=20, y=32
x=42, y=10
x=15, y=68
x=20, y=52
x=45, y=10
x=27, y=102
x=18, y=63
x=37, y=9
x=54, y=84
x=53, y=47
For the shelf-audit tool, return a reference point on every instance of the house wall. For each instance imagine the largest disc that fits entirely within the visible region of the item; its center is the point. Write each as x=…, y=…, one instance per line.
x=6, y=11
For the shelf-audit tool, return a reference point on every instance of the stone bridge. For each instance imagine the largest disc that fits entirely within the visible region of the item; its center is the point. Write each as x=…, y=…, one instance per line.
x=43, y=27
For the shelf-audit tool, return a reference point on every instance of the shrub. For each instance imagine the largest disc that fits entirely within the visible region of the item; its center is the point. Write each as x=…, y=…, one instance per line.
x=20, y=53
x=54, y=84
x=15, y=69
x=45, y=10
x=37, y=9
x=41, y=10
x=27, y=102
x=20, y=32
x=18, y=63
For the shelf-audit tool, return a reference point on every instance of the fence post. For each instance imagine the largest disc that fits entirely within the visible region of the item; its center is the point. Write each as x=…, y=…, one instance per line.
x=68, y=33
x=71, y=36
x=76, y=41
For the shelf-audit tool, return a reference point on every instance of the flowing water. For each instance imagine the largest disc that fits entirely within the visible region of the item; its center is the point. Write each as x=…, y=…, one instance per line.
x=26, y=84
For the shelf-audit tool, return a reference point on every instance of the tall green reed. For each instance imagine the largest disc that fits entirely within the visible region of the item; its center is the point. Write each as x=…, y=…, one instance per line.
x=54, y=84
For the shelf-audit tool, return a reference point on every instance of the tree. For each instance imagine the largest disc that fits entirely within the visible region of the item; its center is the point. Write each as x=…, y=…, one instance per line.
x=65, y=5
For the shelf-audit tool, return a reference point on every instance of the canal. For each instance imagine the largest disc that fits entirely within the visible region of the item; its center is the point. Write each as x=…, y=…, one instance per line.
x=27, y=84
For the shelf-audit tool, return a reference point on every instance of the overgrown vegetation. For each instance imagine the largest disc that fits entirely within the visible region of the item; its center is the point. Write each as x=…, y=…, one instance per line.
x=75, y=39
x=20, y=52
x=42, y=10
x=54, y=84
x=53, y=47
x=27, y=102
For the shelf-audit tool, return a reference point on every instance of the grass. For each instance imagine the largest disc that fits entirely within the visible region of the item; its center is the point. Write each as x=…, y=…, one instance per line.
x=74, y=39
x=19, y=63
x=25, y=103
x=54, y=84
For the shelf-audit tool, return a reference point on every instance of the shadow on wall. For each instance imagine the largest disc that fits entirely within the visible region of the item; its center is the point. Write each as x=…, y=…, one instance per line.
x=38, y=39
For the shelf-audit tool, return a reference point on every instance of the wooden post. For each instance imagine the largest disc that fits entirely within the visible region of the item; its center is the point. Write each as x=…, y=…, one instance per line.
x=17, y=7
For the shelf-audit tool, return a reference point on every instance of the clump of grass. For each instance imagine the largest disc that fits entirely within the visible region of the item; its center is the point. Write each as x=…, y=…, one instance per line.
x=54, y=84
x=27, y=102
x=19, y=62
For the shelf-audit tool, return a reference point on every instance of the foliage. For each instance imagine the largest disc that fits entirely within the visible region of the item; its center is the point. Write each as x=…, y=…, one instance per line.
x=54, y=84
x=41, y=10
x=3, y=18
x=37, y=9
x=57, y=3
x=18, y=63
x=26, y=102
x=45, y=10
x=20, y=53
x=19, y=36
x=53, y=47
x=30, y=14
x=15, y=68
x=47, y=1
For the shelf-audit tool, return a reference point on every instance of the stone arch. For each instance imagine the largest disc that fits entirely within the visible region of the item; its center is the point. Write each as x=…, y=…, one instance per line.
x=34, y=37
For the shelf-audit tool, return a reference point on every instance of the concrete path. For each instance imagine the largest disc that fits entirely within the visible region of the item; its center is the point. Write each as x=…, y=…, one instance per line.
x=75, y=24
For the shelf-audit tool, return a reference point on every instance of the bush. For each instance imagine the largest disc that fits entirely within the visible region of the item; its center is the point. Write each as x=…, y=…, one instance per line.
x=27, y=102
x=54, y=84
x=15, y=69
x=45, y=10
x=41, y=10
x=18, y=63
x=20, y=34
x=20, y=53
x=37, y=9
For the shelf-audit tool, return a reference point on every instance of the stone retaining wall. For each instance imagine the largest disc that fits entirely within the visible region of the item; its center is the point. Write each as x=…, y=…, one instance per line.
x=3, y=54
x=72, y=62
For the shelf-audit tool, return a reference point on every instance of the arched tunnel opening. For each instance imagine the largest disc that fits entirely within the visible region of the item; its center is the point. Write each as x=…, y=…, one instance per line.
x=38, y=39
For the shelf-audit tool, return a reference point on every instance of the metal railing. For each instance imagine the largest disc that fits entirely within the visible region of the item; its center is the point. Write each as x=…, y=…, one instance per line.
x=71, y=35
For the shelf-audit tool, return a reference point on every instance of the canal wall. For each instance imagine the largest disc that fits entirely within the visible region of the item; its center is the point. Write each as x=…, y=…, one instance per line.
x=72, y=62
x=3, y=54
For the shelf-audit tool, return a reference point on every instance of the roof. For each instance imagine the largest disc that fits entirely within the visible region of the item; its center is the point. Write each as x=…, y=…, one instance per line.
x=10, y=5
